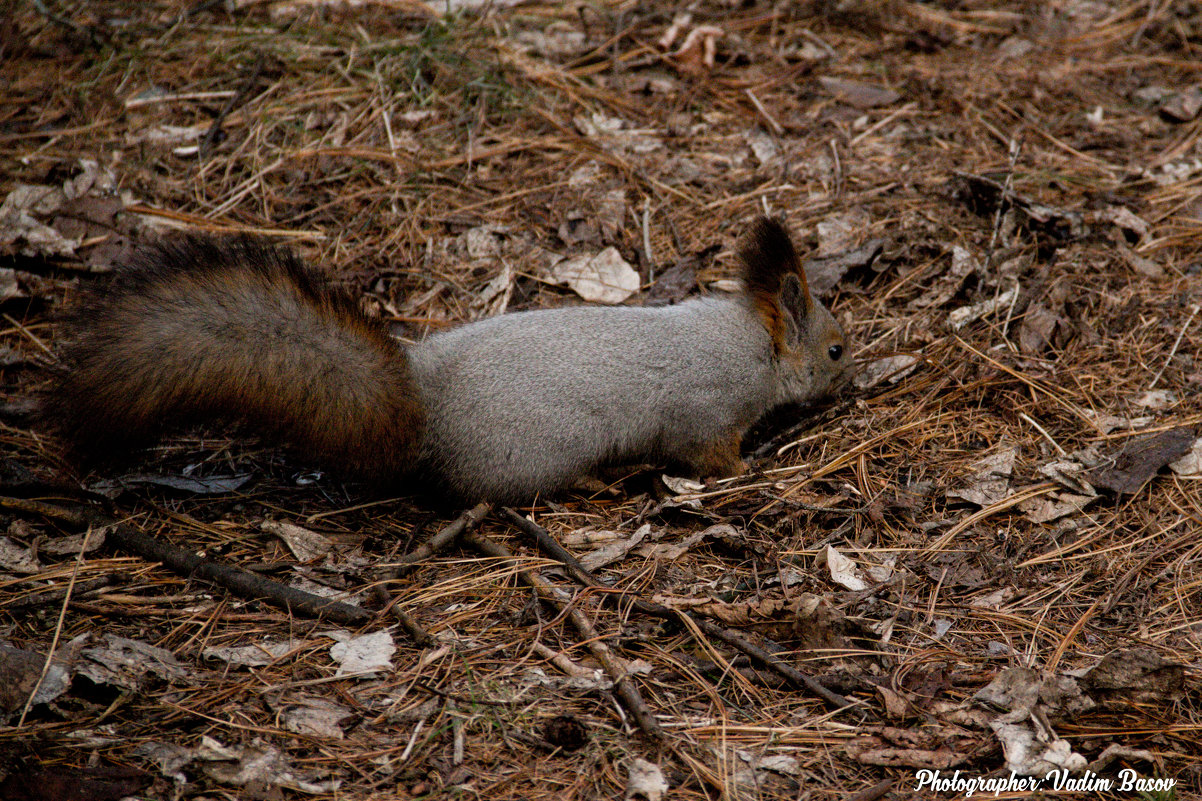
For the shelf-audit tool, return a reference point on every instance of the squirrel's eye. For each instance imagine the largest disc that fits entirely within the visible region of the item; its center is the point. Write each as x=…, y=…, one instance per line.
x=835, y=352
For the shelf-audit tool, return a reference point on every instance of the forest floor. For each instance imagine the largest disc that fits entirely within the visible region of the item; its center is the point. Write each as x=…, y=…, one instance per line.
x=984, y=557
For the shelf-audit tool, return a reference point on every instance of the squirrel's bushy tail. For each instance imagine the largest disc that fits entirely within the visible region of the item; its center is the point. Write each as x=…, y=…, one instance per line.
x=233, y=328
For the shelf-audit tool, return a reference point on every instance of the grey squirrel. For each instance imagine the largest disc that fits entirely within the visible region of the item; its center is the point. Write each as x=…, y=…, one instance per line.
x=233, y=328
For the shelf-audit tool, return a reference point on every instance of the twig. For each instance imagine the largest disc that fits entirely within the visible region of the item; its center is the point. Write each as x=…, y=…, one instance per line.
x=210, y=138
x=47, y=597
x=624, y=688
x=58, y=629
x=240, y=582
x=1180, y=335
x=874, y=792
x=1015, y=148
x=552, y=548
x=441, y=540
x=772, y=123
x=646, y=224
x=90, y=33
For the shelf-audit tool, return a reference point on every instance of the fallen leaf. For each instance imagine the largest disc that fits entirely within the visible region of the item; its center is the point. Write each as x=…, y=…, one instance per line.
x=129, y=664
x=316, y=717
x=256, y=764
x=858, y=94
x=890, y=368
x=255, y=655
x=557, y=40
x=1069, y=473
x=1143, y=266
x=603, y=278
x=1142, y=458
x=1138, y=676
x=947, y=285
x=767, y=775
x=1049, y=508
x=764, y=147
x=824, y=273
x=1109, y=422
x=9, y=288
x=1155, y=399
x=197, y=485
x=675, y=283
x=670, y=551
x=843, y=571
x=961, y=317
x=839, y=233
x=990, y=481
x=305, y=545
x=72, y=544
x=1034, y=753
x=1183, y=106
x=697, y=54
x=645, y=781
x=20, y=671
x=682, y=486
x=16, y=558
x=365, y=654
x=1037, y=327
x=616, y=135
x=615, y=550
x=808, y=621
x=1189, y=465
x=1122, y=218
x=170, y=757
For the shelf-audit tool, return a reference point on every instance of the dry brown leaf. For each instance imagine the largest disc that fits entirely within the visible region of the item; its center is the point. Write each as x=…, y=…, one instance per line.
x=1141, y=458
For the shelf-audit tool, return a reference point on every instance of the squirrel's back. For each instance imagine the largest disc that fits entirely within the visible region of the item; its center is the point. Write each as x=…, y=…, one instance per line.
x=233, y=328
x=530, y=400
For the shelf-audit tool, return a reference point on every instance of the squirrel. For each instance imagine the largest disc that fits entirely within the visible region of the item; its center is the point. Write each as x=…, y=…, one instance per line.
x=204, y=328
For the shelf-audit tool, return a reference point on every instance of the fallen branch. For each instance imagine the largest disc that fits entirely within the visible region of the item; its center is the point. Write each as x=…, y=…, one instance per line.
x=240, y=582
x=624, y=688
x=552, y=548
x=440, y=541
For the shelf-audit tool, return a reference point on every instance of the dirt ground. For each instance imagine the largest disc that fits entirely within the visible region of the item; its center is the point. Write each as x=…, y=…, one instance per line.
x=984, y=557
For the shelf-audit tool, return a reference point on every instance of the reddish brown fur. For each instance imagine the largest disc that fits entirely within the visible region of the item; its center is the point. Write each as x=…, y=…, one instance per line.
x=194, y=333
x=768, y=254
x=719, y=458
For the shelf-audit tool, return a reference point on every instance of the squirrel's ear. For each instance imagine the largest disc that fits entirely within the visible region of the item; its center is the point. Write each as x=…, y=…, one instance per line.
x=795, y=298
x=775, y=279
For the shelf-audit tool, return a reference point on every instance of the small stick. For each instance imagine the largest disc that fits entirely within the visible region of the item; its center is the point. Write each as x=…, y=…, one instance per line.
x=416, y=631
x=58, y=629
x=772, y=123
x=47, y=597
x=623, y=686
x=240, y=582
x=1015, y=148
x=443, y=539
x=552, y=548
x=1193, y=313
x=210, y=137
x=647, y=240
x=874, y=792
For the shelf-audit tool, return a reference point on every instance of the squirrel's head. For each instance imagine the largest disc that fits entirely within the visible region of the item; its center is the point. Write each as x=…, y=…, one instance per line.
x=809, y=344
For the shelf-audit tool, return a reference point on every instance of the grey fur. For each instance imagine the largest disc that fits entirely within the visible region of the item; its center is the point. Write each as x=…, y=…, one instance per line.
x=525, y=403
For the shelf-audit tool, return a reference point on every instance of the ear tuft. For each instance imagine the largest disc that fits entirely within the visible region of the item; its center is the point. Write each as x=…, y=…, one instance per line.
x=767, y=254
x=775, y=280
